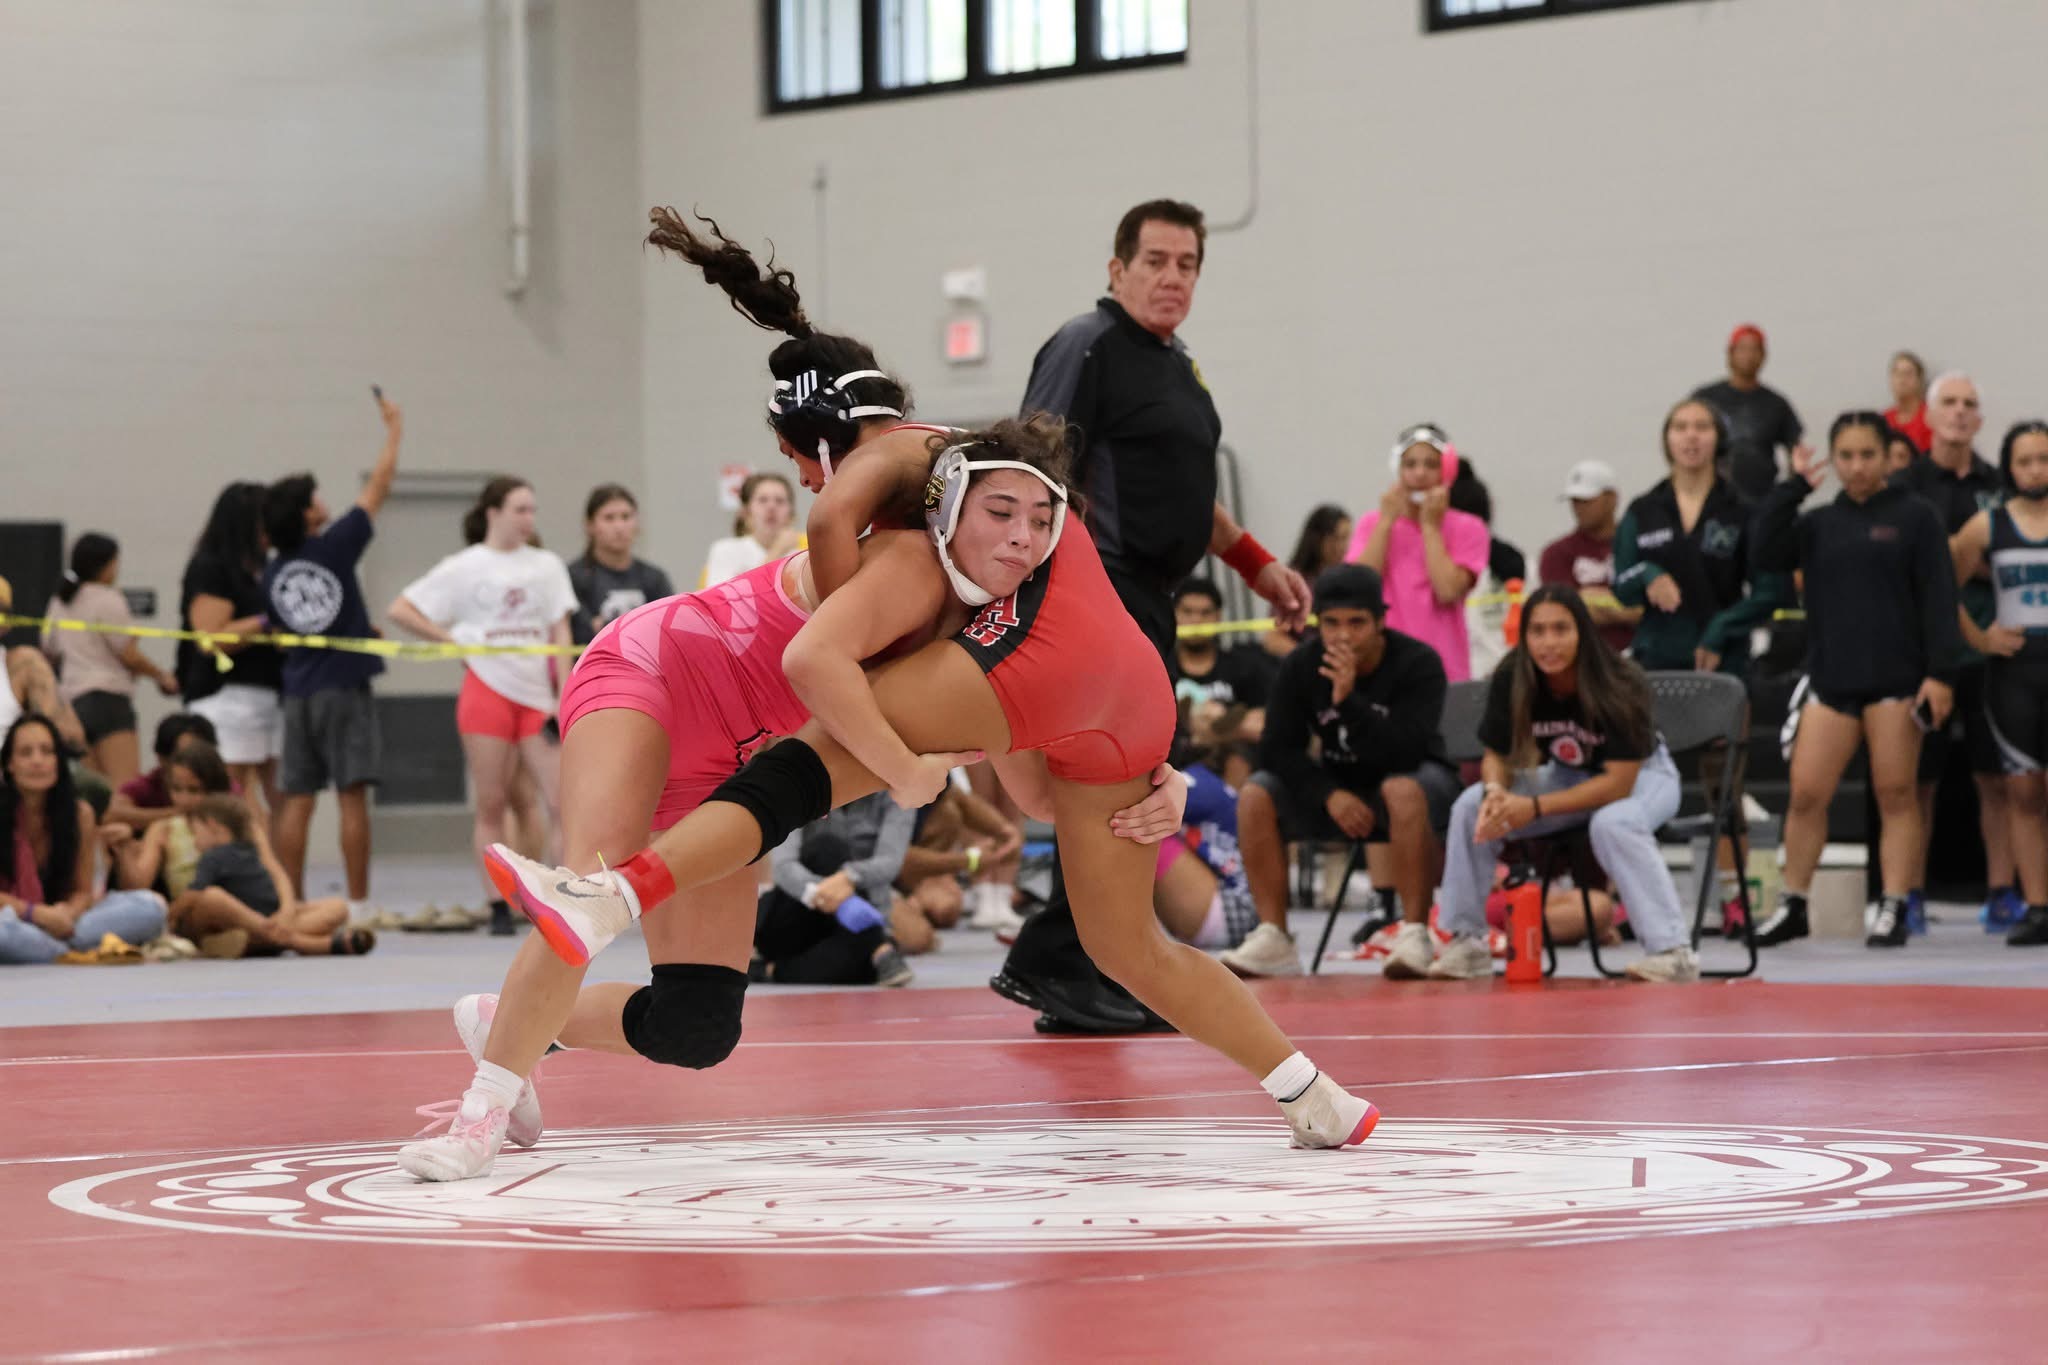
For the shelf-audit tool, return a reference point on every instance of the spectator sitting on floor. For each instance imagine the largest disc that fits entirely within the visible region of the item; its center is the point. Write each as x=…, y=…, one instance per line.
x=1373, y=699
x=826, y=919
x=96, y=669
x=958, y=835
x=1200, y=894
x=32, y=686
x=1584, y=559
x=146, y=799
x=1569, y=743
x=240, y=893
x=1220, y=686
x=163, y=856
x=47, y=843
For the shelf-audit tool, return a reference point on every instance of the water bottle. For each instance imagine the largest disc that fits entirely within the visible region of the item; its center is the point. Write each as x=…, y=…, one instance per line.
x=1525, y=925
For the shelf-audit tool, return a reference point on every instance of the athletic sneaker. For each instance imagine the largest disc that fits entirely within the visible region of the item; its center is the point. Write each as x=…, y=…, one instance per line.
x=476, y=1130
x=1382, y=908
x=577, y=915
x=1887, y=923
x=998, y=917
x=1266, y=951
x=1328, y=1115
x=891, y=969
x=2004, y=908
x=1464, y=958
x=2032, y=931
x=473, y=1015
x=1673, y=965
x=1786, y=923
x=1409, y=958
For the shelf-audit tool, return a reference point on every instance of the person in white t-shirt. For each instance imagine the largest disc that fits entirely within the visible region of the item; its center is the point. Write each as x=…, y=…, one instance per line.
x=763, y=530
x=502, y=590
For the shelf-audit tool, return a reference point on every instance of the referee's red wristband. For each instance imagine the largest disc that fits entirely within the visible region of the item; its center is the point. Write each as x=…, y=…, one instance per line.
x=1247, y=557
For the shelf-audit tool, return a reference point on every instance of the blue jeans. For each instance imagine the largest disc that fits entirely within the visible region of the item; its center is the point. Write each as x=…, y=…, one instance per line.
x=1624, y=837
x=134, y=917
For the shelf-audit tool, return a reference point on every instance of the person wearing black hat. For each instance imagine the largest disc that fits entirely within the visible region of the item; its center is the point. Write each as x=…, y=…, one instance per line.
x=1374, y=698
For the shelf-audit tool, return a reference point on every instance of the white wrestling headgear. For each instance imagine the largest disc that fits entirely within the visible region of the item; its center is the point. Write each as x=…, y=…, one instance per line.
x=946, y=493
x=811, y=411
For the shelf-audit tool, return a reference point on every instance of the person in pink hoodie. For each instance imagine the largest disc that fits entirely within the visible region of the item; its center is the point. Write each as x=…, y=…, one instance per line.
x=1427, y=553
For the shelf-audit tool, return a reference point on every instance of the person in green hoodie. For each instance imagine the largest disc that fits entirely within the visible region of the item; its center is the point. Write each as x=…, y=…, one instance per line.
x=1681, y=553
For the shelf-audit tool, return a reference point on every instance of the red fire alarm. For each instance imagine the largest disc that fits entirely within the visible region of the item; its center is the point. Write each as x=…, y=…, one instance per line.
x=967, y=340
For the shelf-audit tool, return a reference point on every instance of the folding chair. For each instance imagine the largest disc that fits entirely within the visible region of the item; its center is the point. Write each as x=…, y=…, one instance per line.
x=1464, y=704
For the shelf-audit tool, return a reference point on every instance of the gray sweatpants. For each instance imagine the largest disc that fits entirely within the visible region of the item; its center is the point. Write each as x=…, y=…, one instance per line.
x=1624, y=836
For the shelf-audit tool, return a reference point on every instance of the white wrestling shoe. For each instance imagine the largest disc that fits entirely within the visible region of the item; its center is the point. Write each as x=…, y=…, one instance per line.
x=1328, y=1115
x=473, y=1015
x=577, y=915
x=476, y=1130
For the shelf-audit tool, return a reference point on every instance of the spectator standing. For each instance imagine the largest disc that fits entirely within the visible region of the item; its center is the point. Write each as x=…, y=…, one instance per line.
x=1908, y=412
x=222, y=593
x=1584, y=558
x=1958, y=483
x=2013, y=539
x=1760, y=420
x=764, y=530
x=1682, y=556
x=825, y=921
x=330, y=718
x=47, y=843
x=1487, y=606
x=1882, y=644
x=1427, y=554
x=609, y=581
x=1569, y=743
x=1352, y=751
x=1123, y=380
x=97, y=669
x=500, y=590
x=1325, y=532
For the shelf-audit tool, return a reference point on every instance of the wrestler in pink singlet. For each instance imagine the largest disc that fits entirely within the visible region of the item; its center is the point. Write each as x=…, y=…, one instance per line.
x=707, y=667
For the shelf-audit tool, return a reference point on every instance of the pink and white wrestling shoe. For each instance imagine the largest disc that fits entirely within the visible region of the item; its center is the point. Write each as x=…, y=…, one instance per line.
x=473, y=1015
x=577, y=915
x=1328, y=1115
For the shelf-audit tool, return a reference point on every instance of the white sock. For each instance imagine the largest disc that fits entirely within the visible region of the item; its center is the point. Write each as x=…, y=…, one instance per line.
x=1291, y=1079
x=996, y=897
x=500, y=1085
x=358, y=909
x=627, y=894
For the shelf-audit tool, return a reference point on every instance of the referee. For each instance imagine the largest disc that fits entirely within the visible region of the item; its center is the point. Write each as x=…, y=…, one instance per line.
x=1146, y=434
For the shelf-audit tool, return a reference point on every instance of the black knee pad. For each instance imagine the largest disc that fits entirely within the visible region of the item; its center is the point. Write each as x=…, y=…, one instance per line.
x=689, y=1016
x=784, y=788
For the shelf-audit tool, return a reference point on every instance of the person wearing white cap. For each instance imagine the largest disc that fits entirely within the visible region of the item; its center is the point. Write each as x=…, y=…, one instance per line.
x=1584, y=559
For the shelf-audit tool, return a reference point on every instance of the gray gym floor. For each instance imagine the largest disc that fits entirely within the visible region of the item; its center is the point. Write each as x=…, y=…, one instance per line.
x=411, y=971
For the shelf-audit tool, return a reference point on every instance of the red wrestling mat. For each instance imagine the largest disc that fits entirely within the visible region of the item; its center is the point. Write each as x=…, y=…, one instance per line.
x=1578, y=1172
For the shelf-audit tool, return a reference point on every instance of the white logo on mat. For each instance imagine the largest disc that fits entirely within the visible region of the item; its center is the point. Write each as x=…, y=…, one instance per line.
x=1081, y=1184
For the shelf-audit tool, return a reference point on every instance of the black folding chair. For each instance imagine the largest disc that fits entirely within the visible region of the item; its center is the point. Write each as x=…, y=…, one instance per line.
x=1708, y=713
x=1464, y=704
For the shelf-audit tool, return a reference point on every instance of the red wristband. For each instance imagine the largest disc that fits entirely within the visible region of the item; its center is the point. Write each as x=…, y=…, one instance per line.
x=1247, y=557
x=649, y=877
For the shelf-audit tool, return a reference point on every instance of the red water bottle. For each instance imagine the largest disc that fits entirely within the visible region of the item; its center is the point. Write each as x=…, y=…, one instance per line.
x=1525, y=926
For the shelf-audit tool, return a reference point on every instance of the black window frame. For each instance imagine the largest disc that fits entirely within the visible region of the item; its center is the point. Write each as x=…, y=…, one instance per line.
x=1435, y=21
x=1087, y=62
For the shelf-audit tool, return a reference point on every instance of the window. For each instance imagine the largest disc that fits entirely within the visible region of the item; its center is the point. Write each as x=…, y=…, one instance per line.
x=1439, y=15
x=826, y=52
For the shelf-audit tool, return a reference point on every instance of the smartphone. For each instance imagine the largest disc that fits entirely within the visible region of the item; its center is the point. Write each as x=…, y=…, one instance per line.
x=377, y=393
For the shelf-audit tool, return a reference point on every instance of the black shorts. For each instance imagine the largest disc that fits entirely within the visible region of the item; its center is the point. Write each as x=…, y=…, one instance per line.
x=1851, y=704
x=1311, y=820
x=2016, y=711
x=104, y=714
x=1969, y=724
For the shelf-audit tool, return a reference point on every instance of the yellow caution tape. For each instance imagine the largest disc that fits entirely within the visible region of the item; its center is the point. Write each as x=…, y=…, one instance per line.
x=210, y=641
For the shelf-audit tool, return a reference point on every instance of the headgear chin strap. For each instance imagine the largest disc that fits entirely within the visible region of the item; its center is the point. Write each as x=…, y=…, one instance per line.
x=946, y=494
x=811, y=411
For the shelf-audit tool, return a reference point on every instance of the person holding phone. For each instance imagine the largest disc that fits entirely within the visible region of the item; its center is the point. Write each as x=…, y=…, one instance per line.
x=1883, y=646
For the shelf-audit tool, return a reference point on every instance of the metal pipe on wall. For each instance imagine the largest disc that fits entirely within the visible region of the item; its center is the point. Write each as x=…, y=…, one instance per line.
x=521, y=141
